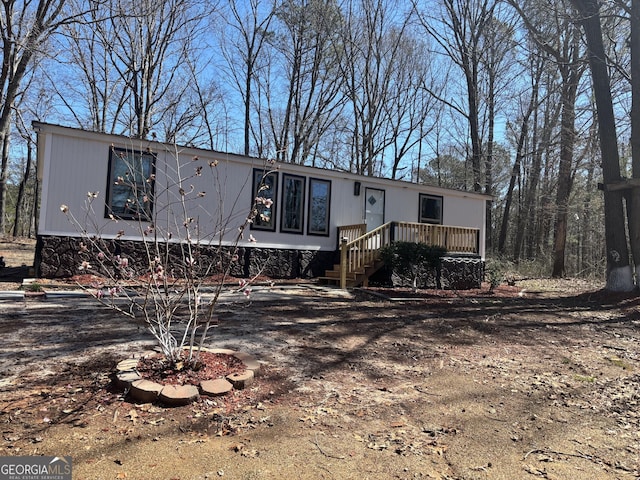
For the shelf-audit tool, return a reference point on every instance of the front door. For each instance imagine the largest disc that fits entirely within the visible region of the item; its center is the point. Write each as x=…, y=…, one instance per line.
x=374, y=208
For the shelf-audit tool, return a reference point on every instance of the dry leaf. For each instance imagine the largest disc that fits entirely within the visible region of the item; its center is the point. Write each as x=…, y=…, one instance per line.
x=237, y=447
x=249, y=453
x=534, y=471
x=377, y=446
x=133, y=415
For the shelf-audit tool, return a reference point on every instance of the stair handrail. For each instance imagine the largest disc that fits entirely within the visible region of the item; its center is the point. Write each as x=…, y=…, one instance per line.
x=363, y=249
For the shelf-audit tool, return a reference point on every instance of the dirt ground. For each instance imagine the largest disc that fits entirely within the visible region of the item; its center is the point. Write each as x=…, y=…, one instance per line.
x=17, y=255
x=539, y=380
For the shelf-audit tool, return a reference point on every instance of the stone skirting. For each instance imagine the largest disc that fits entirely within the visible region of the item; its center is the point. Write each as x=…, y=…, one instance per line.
x=454, y=273
x=59, y=257
x=462, y=273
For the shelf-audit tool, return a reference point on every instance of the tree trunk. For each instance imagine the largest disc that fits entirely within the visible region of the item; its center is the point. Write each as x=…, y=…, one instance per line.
x=633, y=200
x=585, y=219
x=565, y=180
x=474, y=129
x=21, y=189
x=619, y=273
x=515, y=173
x=4, y=172
x=488, y=163
x=534, y=225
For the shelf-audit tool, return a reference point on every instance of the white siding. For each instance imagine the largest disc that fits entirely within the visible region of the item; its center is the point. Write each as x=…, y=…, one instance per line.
x=74, y=162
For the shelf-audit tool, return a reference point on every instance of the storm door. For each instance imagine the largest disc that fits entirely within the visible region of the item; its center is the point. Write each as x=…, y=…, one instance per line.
x=374, y=208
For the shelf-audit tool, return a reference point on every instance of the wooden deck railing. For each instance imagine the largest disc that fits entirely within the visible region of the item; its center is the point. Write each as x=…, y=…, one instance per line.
x=454, y=239
x=357, y=252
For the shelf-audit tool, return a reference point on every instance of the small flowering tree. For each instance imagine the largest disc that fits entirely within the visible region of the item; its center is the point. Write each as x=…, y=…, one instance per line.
x=165, y=288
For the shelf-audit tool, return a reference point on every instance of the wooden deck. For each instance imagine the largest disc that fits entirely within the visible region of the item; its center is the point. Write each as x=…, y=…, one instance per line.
x=360, y=250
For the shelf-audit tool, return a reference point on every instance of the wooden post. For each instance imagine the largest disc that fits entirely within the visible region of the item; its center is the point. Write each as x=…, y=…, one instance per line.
x=343, y=263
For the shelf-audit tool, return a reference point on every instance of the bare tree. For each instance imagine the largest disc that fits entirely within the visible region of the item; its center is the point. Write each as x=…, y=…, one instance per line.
x=242, y=47
x=459, y=29
x=25, y=27
x=134, y=62
x=21, y=207
x=89, y=86
x=633, y=203
x=530, y=108
x=412, y=111
x=211, y=118
x=149, y=42
x=630, y=10
x=374, y=39
x=536, y=212
x=499, y=47
x=305, y=45
x=553, y=29
x=619, y=274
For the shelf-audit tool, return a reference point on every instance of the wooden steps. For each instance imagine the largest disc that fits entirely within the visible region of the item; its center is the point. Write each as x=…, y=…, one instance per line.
x=355, y=278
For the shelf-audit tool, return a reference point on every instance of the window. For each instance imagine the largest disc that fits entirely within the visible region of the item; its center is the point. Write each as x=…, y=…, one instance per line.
x=292, y=219
x=319, y=206
x=130, y=184
x=430, y=209
x=265, y=187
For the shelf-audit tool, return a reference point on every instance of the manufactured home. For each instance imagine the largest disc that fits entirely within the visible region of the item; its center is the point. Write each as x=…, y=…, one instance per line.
x=309, y=220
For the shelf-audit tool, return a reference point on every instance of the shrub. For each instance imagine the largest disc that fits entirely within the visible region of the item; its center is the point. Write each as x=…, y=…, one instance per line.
x=495, y=272
x=409, y=258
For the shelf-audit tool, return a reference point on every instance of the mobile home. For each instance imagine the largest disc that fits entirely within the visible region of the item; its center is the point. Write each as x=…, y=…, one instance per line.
x=306, y=215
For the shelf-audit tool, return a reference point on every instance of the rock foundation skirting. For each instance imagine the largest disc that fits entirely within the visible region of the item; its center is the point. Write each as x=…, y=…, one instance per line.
x=454, y=273
x=59, y=257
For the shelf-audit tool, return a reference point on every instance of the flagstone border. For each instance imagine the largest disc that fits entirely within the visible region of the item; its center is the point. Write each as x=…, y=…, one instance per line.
x=128, y=378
